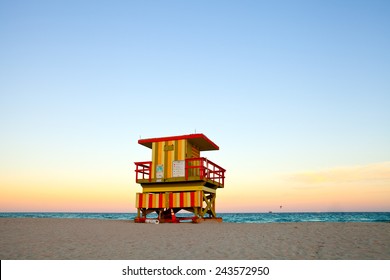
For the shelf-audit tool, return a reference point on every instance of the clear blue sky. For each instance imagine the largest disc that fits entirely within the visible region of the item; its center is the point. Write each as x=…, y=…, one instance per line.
x=280, y=86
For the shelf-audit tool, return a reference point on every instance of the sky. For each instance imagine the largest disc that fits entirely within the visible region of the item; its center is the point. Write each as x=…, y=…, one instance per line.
x=295, y=93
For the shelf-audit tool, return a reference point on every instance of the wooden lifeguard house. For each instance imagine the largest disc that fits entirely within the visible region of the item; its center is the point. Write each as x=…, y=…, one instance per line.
x=178, y=178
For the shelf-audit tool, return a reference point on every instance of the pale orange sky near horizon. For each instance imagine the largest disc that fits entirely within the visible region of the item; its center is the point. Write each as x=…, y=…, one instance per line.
x=358, y=188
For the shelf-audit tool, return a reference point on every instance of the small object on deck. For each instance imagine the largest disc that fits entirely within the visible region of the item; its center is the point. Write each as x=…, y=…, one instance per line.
x=152, y=221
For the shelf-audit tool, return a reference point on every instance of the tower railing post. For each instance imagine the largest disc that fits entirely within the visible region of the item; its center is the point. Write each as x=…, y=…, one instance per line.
x=186, y=169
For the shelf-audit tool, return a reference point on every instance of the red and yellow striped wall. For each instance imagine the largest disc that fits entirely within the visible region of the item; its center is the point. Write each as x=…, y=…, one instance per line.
x=169, y=200
x=165, y=152
x=151, y=200
x=185, y=199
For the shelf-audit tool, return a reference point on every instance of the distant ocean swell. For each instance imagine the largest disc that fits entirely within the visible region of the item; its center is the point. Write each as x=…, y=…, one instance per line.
x=381, y=217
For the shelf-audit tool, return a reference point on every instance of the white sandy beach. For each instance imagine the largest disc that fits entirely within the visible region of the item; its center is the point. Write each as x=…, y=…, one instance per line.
x=113, y=239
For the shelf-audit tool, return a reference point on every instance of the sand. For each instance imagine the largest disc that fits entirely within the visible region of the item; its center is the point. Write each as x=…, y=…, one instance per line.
x=77, y=239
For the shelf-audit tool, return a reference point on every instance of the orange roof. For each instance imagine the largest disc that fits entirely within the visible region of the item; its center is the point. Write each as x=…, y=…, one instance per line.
x=199, y=140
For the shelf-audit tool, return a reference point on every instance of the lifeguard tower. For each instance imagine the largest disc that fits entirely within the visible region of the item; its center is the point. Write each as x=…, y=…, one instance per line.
x=178, y=178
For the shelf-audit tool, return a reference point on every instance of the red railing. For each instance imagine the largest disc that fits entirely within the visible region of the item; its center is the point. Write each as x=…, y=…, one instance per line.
x=194, y=167
x=143, y=168
x=205, y=169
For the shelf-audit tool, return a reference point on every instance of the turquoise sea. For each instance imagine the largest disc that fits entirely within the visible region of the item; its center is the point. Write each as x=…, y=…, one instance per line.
x=360, y=217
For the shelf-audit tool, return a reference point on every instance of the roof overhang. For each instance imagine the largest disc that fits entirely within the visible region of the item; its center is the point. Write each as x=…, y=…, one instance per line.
x=200, y=140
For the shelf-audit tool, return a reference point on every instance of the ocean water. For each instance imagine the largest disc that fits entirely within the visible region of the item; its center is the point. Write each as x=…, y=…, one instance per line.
x=359, y=217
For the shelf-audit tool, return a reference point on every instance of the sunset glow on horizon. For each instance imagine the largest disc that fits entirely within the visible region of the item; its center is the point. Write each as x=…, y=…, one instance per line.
x=295, y=193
